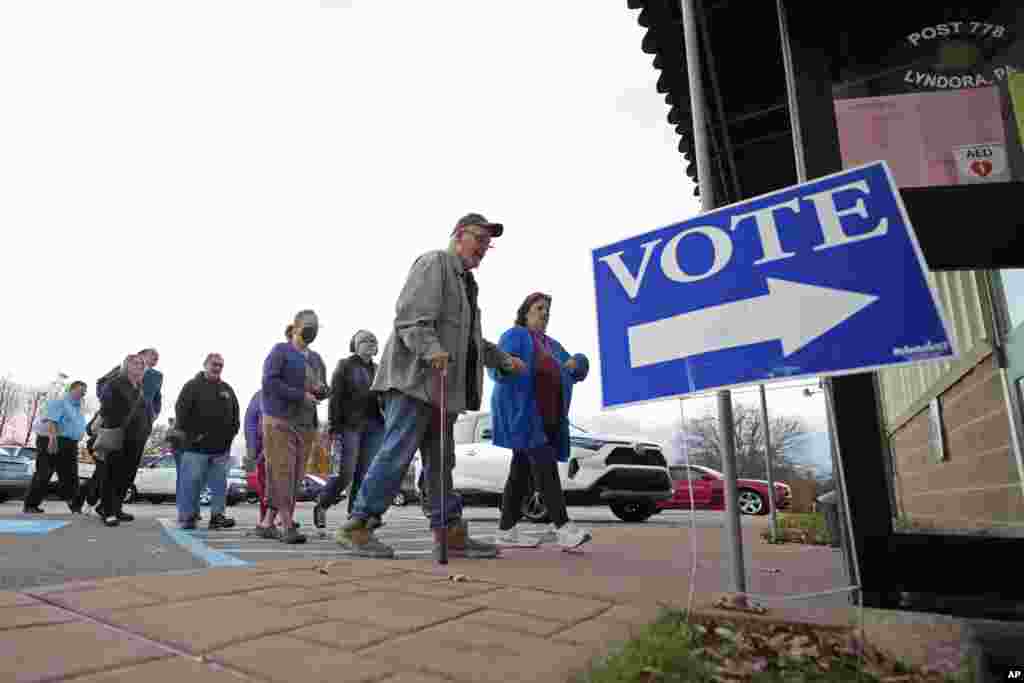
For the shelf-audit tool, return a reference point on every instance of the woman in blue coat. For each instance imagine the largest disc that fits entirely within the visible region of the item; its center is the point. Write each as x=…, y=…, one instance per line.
x=530, y=415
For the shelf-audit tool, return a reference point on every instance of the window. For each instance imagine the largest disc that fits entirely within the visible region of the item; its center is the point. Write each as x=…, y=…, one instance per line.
x=464, y=430
x=940, y=96
x=1013, y=287
x=485, y=429
x=680, y=473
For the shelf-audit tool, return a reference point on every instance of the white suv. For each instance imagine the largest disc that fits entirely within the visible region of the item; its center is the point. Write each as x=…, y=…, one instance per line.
x=629, y=475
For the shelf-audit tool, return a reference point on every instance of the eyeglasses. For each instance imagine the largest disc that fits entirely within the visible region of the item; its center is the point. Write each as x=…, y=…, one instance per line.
x=482, y=240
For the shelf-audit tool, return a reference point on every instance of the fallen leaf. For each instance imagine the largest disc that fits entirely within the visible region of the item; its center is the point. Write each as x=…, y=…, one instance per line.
x=723, y=632
x=457, y=577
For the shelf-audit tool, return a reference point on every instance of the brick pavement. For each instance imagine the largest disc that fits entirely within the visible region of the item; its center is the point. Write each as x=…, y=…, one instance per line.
x=533, y=615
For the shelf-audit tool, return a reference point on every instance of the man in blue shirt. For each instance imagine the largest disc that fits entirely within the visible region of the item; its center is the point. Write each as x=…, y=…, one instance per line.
x=57, y=437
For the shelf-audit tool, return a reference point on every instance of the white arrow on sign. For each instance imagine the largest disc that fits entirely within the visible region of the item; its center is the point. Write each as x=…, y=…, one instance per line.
x=792, y=312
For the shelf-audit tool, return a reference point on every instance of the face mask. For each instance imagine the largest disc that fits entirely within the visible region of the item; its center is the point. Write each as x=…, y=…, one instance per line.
x=308, y=334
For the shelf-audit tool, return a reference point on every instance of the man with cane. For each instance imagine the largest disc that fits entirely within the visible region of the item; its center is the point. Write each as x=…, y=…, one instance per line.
x=431, y=370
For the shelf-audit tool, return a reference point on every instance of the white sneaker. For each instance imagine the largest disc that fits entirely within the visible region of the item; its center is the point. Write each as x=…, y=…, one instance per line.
x=513, y=539
x=570, y=537
x=549, y=536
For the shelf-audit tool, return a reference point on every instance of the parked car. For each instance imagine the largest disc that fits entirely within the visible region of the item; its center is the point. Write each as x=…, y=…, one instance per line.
x=156, y=480
x=310, y=487
x=14, y=478
x=17, y=465
x=627, y=474
x=709, y=491
x=238, y=488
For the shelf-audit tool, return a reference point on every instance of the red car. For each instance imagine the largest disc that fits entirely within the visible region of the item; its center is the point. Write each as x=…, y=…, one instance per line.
x=709, y=492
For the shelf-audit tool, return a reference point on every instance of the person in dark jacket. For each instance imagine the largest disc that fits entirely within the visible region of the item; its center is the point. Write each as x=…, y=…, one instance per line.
x=356, y=423
x=207, y=412
x=121, y=405
x=294, y=381
x=152, y=387
x=254, y=460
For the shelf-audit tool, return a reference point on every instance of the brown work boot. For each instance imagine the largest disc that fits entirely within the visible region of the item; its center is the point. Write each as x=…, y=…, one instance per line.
x=460, y=544
x=357, y=536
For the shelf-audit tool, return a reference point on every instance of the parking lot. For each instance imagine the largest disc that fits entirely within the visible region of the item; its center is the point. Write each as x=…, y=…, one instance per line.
x=405, y=529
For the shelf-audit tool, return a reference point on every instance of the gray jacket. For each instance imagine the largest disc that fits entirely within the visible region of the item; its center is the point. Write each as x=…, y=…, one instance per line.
x=432, y=315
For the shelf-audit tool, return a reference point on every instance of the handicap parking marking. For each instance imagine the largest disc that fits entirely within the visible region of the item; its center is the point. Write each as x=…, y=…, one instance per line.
x=29, y=527
x=211, y=556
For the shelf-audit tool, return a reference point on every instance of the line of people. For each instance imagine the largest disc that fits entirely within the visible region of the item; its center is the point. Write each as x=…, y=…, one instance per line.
x=130, y=400
x=379, y=415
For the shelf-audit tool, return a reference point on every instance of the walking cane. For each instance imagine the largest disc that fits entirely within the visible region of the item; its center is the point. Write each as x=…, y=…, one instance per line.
x=443, y=557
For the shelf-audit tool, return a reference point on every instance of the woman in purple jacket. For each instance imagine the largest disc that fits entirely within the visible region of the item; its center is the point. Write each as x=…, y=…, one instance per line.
x=294, y=381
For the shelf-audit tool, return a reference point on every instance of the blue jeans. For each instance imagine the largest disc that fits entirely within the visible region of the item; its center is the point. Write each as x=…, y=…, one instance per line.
x=177, y=475
x=353, y=451
x=196, y=471
x=410, y=425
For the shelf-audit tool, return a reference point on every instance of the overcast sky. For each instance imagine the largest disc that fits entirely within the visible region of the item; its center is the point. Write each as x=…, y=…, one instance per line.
x=188, y=175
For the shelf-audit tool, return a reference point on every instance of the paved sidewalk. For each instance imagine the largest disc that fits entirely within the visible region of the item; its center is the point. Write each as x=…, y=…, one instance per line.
x=533, y=615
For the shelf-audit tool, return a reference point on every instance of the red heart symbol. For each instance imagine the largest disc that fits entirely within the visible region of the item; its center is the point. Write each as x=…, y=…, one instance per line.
x=981, y=167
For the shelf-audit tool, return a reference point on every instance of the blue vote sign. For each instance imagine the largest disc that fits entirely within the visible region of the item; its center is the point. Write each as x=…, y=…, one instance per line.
x=823, y=278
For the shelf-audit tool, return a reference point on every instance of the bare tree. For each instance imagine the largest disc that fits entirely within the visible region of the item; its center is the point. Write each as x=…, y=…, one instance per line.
x=35, y=403
x=10, y=401
x=703, y=439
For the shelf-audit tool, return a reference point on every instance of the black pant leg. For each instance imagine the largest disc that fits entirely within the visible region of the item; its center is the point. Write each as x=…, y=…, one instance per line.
x=129, y=466
x=36, y=493
x=516, y=487
x=67, y=470
x=544, y=462
x=110, y=484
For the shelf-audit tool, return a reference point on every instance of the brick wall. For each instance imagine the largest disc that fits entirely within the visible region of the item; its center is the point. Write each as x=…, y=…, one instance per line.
x=977, y=485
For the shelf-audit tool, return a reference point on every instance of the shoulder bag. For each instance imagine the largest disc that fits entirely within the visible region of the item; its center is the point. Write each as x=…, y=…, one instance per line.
x=111, y=439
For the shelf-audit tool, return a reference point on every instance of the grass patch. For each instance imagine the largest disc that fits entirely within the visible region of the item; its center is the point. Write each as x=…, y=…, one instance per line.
x=670, y=651
x=800, y=527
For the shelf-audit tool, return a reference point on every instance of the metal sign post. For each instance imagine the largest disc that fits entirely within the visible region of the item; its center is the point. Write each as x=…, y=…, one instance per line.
x=768, y=462
x=707, y=194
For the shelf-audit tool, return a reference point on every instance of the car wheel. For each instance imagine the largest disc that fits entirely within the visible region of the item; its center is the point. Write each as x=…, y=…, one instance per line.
x=131, y=495
x=204, y=497
x=633, y=510
x=400, y=499
x=535, y=510
x=751, y=502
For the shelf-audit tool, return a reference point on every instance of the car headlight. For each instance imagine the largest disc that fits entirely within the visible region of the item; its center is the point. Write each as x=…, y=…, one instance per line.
x=587, y=444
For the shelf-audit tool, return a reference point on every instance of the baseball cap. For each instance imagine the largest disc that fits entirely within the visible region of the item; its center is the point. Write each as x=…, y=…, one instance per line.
x=476, y=219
